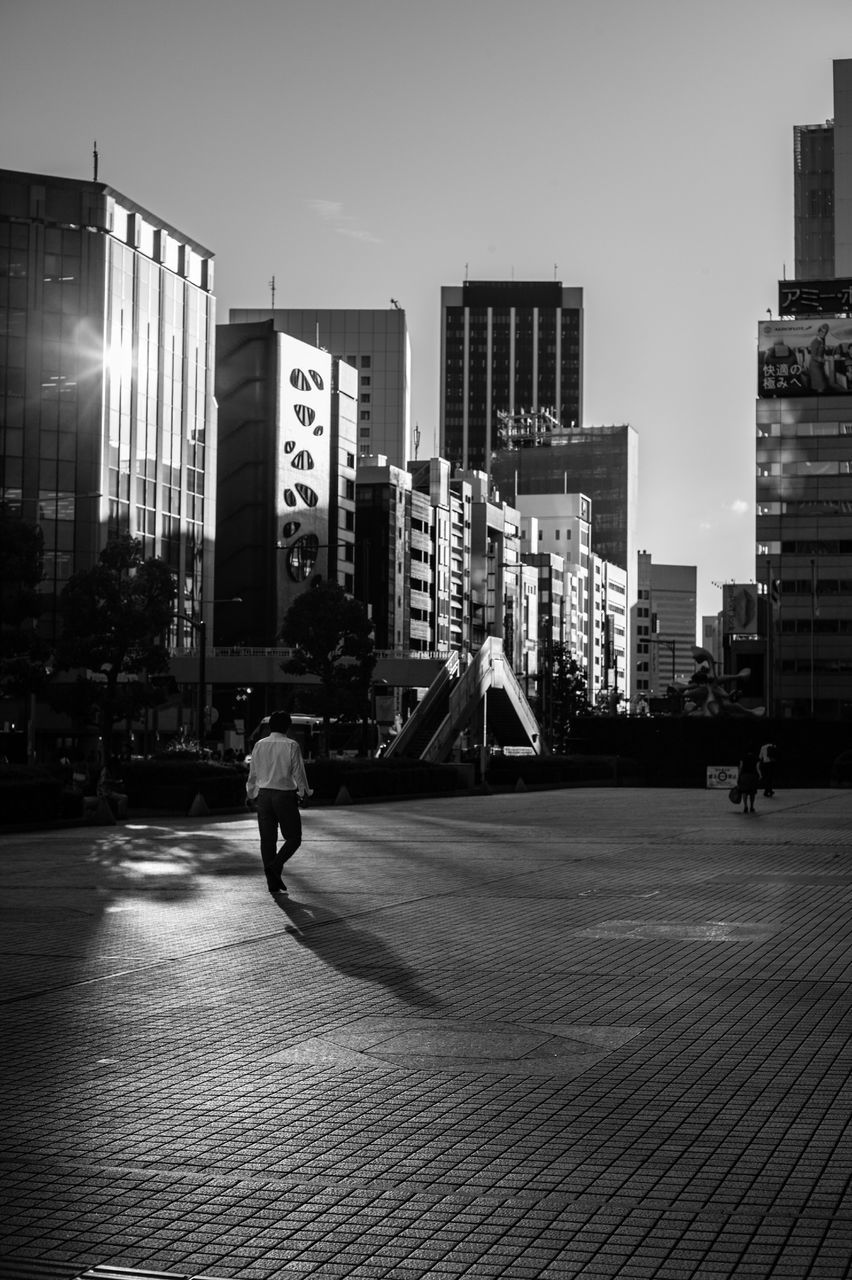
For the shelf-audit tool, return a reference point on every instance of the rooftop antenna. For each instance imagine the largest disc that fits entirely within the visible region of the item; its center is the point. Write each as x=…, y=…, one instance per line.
x=554, y=271
x=416, y=440
x=95, y=160
x=272, y=291
x=466, y=265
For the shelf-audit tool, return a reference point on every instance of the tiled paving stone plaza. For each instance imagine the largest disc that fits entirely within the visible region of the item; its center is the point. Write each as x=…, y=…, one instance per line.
x=583, y=1033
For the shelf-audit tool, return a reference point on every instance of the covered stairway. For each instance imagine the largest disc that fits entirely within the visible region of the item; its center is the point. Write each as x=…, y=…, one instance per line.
x=484, y=698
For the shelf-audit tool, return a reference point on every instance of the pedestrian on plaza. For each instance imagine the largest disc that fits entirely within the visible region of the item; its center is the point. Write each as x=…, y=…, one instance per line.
x=276, y=784
x=748, y=780
x=766, y=764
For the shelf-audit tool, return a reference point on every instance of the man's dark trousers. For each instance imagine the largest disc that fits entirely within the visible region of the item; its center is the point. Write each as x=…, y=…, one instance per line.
x=277, y=809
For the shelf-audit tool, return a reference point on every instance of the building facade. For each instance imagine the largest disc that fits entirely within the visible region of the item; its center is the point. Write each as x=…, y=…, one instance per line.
x=286, y=482
x=107, y=416
x=506, y=346
x=822, y=187
x=376, y=343
x=804, y=436
x=804, y=552
x=664, y=626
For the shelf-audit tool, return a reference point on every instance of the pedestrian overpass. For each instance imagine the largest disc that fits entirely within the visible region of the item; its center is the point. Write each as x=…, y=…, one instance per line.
x=484, y=698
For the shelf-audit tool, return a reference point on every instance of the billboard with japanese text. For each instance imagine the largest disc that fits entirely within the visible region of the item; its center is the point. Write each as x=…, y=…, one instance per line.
x=814, y=297
x=804, y=357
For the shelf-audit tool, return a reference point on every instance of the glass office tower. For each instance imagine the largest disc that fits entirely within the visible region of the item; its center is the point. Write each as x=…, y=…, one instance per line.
x=107, y=420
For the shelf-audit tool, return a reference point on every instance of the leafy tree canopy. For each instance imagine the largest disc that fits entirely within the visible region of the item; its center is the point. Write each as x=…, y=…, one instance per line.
x=332, y=638
x=23, y=653
x=116, y=614
x=115, y=617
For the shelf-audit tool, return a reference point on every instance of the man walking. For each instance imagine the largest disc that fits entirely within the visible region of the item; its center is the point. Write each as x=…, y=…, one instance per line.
x=276, y=782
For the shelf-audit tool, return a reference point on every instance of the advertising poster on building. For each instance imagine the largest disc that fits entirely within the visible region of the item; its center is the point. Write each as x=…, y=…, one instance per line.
x=739, y=609
x=804, y=357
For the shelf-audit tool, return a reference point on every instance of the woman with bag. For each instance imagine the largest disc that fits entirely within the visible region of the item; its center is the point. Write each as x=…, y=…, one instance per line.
x=748, y=780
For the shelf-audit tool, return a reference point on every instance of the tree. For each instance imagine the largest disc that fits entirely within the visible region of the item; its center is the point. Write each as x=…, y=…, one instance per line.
x=115, y=617
x=570, y=692
x=23, y=653
x=332, y=638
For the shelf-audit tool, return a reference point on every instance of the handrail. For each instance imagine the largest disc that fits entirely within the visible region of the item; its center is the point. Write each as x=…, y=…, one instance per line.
x=445, y=676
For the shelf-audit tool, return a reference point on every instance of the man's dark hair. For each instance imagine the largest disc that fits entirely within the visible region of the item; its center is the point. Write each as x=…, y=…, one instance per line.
x=279, y=722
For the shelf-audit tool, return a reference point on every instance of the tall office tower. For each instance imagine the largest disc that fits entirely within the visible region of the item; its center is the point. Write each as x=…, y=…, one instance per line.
x=286, y=484
x=376, y=343
x=804, y=436
x=506, y=347
x=665, y=625
x=107, y=417
x=822, y=190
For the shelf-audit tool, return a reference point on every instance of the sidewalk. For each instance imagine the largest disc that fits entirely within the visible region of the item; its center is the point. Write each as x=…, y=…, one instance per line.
x=585, y=1033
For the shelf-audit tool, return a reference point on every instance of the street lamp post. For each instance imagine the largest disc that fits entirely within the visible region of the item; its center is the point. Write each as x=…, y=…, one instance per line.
x=199, y=625
x=671, y=645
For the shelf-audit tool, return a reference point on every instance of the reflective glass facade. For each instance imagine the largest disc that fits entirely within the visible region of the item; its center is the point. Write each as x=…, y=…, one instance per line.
x=106, y=378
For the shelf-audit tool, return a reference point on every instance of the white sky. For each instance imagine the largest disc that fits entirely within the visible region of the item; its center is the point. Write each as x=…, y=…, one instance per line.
x=360, y=150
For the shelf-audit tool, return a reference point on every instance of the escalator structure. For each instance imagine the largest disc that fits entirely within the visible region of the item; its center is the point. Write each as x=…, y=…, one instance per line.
x=457, y=701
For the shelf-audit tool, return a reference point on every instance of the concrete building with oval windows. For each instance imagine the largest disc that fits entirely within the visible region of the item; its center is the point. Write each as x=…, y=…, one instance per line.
x=286, y=476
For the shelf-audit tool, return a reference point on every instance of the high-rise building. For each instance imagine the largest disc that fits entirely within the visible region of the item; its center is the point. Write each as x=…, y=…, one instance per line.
x=602, y=462
x=506, y=347
x=665, y=625
x=286, y=483
x=822, y=187
x=376, y=343
x=107, y=416
x=804, y=438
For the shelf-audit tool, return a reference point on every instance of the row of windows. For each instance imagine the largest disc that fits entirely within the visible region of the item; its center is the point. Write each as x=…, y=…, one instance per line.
x=805, y=586
x=790, y=430
x=806, y=506
x=821, y=626
x=806, y=467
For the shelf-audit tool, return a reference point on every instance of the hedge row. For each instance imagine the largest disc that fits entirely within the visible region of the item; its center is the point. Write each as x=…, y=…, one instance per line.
x=558, y=771
x=377, y=778
x=170, y=784
x=29, y=792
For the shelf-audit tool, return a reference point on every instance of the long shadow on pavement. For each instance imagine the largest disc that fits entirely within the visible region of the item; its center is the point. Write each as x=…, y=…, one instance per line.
x=354, y=951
